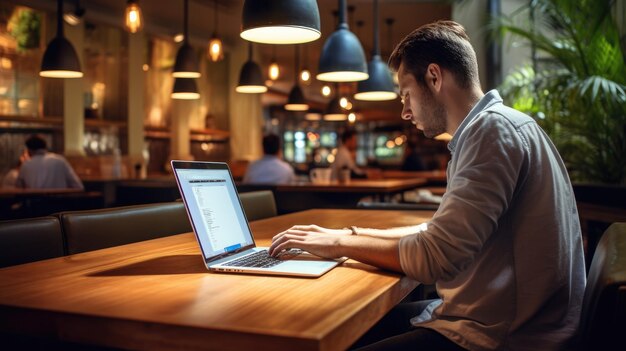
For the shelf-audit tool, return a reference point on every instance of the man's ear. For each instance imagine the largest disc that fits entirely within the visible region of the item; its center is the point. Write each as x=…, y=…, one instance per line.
x=433, y=77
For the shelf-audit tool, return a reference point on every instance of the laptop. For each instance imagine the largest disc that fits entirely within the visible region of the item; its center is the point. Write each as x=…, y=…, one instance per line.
x=221, y=228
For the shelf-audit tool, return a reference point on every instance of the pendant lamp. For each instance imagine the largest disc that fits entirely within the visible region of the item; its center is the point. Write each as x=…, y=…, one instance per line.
x=60, y=59
x=379, y=86
x=185, y=89
x=134, y=18
x=186, y=65
x=334, y=111
x=280, y=21
x=296, y=101
x=342, y=58
x=274, y=69
x=215, y=50
x=250, y=77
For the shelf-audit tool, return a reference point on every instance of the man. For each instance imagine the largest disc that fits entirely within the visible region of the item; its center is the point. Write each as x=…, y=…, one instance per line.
x=46, y=170
x=504, y=248
x=344, y=159
x=270, y=169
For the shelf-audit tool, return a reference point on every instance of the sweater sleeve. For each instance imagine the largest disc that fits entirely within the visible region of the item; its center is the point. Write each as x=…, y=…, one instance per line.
x=484, y=173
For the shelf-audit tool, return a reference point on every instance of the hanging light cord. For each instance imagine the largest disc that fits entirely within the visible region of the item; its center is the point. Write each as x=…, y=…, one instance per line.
x=343, y=23
x=376, y=48
x=59, y=18
x=185, y=22
x=296, y=69
x=215, y=17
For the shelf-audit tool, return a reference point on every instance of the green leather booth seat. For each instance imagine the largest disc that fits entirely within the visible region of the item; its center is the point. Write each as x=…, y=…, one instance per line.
x=98, y=229
x=28, y=240
x=258, y=204
x=603, y=320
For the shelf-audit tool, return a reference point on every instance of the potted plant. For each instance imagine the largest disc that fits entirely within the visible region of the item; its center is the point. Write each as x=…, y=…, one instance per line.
x=576, y=90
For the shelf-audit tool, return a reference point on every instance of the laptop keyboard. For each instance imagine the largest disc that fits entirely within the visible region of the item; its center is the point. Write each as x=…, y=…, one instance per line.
x=260, y=259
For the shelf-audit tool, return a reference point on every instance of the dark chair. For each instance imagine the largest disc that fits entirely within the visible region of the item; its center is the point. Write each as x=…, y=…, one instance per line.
x=603, y=318
x=258, y=204
x=28, y=240
x=98, y=229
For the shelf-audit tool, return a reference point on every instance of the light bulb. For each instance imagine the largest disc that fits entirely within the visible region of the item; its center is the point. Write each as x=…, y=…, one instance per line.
x=134, y=19
x=215, y=51
x=305, y=75
x=274, y=71
x=326, y=90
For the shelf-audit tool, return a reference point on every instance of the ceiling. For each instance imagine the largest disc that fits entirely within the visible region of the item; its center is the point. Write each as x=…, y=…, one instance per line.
x=166, y=18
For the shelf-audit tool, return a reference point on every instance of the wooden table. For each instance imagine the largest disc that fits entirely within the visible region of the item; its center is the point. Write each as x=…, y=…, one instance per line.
x=434, y=177
x=157, y=295
x=302, y=196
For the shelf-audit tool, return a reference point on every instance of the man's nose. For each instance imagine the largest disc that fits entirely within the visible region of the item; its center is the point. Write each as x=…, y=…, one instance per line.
x=406, y=114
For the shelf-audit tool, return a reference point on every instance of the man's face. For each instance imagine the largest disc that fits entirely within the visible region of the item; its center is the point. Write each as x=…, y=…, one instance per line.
x=420, y=106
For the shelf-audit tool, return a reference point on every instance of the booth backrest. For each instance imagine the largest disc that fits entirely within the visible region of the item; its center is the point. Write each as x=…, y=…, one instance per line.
x=98, y=229
x=28, y=240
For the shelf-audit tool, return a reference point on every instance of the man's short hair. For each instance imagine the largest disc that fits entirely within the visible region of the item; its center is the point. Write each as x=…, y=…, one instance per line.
x=36, y=142
x=347, y=135
x=271, y=144
x=444, y=43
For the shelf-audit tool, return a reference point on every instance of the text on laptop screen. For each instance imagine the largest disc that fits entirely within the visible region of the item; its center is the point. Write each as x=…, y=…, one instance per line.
x=211, y=196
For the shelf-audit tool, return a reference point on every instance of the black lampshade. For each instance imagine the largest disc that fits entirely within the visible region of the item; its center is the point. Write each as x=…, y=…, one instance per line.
x=296, y=101
x=60, y=59
x=379, y=86
x=342, y=58
x=185, y=89
x=334, y=111
x=186, y=65
x=251, y=78
x=280, y=21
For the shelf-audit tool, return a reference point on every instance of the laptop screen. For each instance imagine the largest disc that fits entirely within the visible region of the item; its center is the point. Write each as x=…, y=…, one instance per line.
x=213, y=206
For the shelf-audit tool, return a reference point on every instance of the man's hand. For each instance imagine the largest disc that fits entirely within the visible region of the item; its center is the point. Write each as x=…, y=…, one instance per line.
x=320, y=241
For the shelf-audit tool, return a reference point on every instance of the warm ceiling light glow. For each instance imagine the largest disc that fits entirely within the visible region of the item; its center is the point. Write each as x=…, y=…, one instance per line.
x=352, y=117
x=61, y=74
x=376, y=96
x=186, y=74
x=326, y=90
x=178, y=38
x=335, y=117
x=185, y=96
x=281, y=35
x=134, y=18
x=251, y=89
x=342, y=76
x=296, y=107
x=313, y=116
x=343, y=102
x=215, y=51
x=274, y=71
x=145, y=67
x=305, y=75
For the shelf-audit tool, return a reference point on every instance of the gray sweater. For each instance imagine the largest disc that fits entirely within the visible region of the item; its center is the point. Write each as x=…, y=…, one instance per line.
x=505, y=247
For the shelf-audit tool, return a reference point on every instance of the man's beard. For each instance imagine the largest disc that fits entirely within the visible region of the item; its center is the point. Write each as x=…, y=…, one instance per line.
x=433, y=114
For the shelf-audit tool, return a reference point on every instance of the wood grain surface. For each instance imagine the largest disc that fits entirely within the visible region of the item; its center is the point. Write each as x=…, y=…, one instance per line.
x=158, y=295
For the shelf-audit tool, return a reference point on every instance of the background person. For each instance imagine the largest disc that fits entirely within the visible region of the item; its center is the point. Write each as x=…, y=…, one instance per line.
x=344, y=159
x=270, y=169
x=504, y=249
x=46, y=170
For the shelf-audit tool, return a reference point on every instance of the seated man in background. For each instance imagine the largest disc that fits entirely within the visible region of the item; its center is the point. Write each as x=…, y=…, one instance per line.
x=344, y=159
x=46, y=170
x=270, y=169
